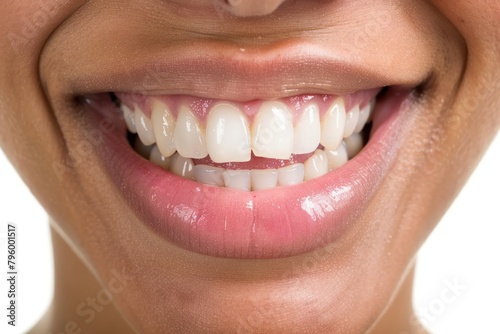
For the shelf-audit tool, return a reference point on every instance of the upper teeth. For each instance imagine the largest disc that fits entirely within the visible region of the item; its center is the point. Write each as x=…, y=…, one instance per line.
x=333, y=125
x=228, y=135
x=144, y=128
x=189, y=135
x=272, y=131
x=307, y=130
x=164, y=125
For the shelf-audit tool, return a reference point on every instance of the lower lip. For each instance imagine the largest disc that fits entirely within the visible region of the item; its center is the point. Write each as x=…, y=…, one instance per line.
x=275, y=223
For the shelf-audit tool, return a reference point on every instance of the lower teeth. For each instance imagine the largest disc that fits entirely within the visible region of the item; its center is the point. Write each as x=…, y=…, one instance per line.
x=320, y=163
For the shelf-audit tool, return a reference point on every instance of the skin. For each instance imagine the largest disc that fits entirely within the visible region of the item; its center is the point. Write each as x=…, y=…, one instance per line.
x=454, y=43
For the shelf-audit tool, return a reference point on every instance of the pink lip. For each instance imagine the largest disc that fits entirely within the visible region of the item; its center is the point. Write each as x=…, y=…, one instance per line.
x=268, y=224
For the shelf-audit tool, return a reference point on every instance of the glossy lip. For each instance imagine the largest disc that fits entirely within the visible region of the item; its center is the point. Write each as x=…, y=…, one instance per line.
x=274, y=223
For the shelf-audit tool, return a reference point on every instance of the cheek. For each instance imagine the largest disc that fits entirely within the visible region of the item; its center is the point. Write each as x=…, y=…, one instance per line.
x=26, y=125
x=29, y=133
x=28, y=24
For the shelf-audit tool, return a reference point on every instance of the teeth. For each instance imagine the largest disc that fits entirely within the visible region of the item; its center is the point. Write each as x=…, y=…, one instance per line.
x=129, y=117
x=189, y=136
x=264, y=179
x=333, y=125
x=164, y=128
x=307, y=131
x=209, y=175
x=182, y=166
x=291, y=175
x=337, y=158
x=228, y=139
x=158, y=159
x=364, y=113
x=237, y=179
x=143, y=150
x=144, y=127
x=354, y=144
x=351, y=121
x=316, y=166
x=228, y=135
x=272, y=131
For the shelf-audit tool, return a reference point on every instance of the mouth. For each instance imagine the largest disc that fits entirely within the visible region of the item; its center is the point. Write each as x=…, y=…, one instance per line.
x=248, y=146
x=224, y=166
x=257, y=179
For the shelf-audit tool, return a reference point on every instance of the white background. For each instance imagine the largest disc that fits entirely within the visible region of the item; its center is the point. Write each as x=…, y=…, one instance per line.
x=464, y=249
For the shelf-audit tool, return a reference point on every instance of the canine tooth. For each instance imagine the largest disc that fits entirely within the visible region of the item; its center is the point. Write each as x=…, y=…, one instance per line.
x=163, y=128
x=129, y=117
x=291, y=175
x=364, y=113
x=351, y=121
x=209, y=175
x=237, y=179
x=272, y=131
x=143, y=150
x=189, y=136
x=333, y=125
x=338, y=157
x=144, y=127
x=354, y=144
x=264, y=179
x=307, y=131
x=316, y=166
x=228, y=135
x=182, y=166
x=158, y=159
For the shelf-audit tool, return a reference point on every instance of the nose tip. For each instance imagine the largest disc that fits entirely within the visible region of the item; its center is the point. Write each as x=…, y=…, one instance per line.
x=253, y=7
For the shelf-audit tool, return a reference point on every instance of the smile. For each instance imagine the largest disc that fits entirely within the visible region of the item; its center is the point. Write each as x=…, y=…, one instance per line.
x=249, y=146
x=259, y=179
x=246, y=168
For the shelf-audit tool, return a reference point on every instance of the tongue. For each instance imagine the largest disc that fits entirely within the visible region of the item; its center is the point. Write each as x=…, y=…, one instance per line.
x=256, y=162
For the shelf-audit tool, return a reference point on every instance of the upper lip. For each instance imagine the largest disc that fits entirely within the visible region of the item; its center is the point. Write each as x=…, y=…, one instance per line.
x=211, y=69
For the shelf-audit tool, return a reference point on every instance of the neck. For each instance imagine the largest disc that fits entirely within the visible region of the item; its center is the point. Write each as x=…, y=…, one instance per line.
x=76, y=285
